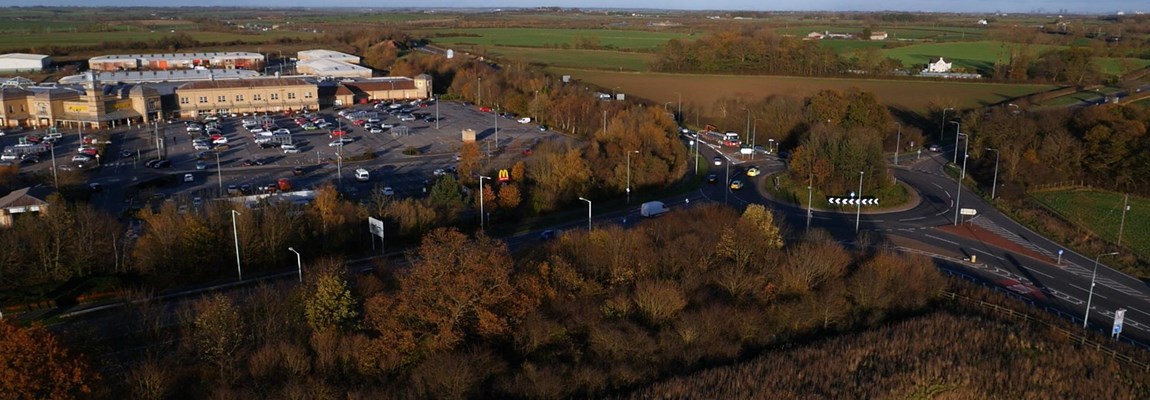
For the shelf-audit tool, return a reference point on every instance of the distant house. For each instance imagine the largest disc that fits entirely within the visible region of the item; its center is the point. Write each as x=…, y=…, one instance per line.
x=27, y=200
x=878, y=35
x=937, y=65
x=983, y=22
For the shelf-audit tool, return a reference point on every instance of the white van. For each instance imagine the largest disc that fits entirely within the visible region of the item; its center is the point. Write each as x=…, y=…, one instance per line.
x=362, y=175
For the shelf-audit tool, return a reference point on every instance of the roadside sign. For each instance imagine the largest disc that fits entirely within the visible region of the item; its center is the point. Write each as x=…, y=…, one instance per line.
x=1119, y=317
x=967, y=211
x=504, y=176
x=376, y=226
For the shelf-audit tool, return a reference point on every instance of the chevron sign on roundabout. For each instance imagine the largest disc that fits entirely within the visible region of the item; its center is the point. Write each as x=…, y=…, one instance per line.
x=852, y=201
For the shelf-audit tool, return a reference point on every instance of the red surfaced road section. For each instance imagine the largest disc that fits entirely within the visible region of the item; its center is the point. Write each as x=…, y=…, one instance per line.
x=990, y=239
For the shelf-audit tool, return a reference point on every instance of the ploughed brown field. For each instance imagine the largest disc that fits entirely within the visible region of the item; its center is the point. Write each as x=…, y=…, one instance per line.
x=700, y=89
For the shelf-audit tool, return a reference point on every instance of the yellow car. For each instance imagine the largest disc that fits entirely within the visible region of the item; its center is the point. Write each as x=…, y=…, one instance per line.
x=753, y=171
x=736, y=184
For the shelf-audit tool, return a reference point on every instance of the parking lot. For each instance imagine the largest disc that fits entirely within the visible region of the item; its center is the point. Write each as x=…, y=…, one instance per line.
x=242, y=162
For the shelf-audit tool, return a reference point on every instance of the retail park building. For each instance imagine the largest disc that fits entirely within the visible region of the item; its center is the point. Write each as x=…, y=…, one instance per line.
x=95, y=103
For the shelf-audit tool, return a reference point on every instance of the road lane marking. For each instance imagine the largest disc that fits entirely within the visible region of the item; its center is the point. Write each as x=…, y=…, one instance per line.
x=938, y=238
x=1040, y=273
x=911, y=219
x=990, y=254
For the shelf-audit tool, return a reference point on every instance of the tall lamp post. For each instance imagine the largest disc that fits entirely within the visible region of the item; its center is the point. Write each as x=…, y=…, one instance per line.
x=728, y=188
x=479, y=91
x=236, y=236
x=958, y=195
x=754, y=134
x=810, y=198
x=858, y=212
x=629, y=174
x=995, y=184
x=298, y=263
x=588, y=213
x=897, y=142
x=219, y=173
x=957, y=133
x=1090, y=297
x=481, y=214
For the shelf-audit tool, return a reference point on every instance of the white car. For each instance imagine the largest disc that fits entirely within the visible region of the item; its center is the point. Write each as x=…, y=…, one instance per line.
x=292, y=150
x=406, y=117
x=282, y=131
x=80, y=158
x=195, y=128
x=189, y=178
x=388, y=191
x=525, y=120
x=201, y=146
x=221, y=140
x=340, y=142
x=376, y=130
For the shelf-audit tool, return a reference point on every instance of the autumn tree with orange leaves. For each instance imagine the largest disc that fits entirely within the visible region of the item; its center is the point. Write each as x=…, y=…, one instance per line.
x=34, y=365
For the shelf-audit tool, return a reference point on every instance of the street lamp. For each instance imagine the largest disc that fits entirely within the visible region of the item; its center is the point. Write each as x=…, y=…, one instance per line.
x=588, y=213
x=858, y=213
x=236, y=236
x=897, y=141
x=665, y=105
x=810, y=198
x=55, y=181
x=957, y=133
x=728, y=189
x=436, y=111
x=754, y=134
x=298, y=263
x=1090, y=297
x=770, y=144
x=629, y=174
x=481, y=214
x=995, y=184
x=479, y=91
x=219, y=173
x=958, y=195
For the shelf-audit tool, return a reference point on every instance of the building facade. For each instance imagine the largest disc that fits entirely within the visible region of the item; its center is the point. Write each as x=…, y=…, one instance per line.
x=390, y=88
x=91, y=105
x=170, y=61
x=246, y=95
x=23, y=62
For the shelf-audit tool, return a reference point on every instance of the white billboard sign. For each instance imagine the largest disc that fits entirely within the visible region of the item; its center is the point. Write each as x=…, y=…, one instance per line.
x=967, y=211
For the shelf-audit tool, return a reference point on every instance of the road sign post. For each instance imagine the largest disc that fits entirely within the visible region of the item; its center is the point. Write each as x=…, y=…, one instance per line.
x=375, y=226
x=1119, y=317
x=1059, y=257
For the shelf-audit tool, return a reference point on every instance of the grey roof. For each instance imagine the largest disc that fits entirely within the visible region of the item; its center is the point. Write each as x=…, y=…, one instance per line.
x=184, y=75
x=29, y=196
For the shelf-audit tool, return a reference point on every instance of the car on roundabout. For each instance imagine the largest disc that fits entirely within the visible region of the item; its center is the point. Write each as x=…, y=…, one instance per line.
x=712, y=178
x=736, y=184
x=718, y=160
x=753, y=171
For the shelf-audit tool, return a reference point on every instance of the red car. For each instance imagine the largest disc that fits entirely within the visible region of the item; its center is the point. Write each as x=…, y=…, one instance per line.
x=485, y=109
x=336, y=133
x=359, y=122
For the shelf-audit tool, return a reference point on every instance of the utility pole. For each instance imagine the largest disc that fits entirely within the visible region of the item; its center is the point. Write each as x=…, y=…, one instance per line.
x=897, y=141
x=1122, y=224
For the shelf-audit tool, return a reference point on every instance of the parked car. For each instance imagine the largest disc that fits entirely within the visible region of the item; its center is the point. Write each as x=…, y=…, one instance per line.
x=388, y=191
x=340, y=141
x=189, y=178
x=80, y=158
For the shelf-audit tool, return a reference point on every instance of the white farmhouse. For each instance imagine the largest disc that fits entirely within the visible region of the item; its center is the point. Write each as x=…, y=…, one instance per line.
x=937, y=65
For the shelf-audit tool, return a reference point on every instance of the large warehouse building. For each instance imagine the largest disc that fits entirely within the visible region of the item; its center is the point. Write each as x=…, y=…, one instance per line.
x=162, y=62
x=332, y=68
x=24, y=62
x=320, y=54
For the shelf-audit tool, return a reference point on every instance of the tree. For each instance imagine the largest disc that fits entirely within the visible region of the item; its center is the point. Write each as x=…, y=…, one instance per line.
x=445, y=192
x=34, y=365
x=330, y=303
x=509, y=197
x=219, y=333
x=469, y=159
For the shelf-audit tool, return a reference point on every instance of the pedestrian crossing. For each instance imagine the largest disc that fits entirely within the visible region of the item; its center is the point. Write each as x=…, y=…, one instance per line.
x=986, y=223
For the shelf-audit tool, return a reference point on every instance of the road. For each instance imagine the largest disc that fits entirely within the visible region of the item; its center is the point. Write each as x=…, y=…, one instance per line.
x=1006, y=254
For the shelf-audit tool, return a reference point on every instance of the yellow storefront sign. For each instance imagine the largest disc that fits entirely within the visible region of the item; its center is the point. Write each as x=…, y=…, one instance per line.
x=76, y=108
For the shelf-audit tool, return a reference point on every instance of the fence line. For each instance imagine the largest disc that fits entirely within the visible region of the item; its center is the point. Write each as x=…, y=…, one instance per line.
x=1058, y=186
x=1071, y=336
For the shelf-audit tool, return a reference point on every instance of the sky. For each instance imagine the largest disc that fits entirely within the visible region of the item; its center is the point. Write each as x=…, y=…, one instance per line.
x=987, y=6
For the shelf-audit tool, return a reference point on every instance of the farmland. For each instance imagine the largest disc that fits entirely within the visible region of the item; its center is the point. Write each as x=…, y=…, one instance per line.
x=982, y=55
x=532, y=37
x=940, y=33
x=1100, y=213
x=584, y=59
x=708, y=89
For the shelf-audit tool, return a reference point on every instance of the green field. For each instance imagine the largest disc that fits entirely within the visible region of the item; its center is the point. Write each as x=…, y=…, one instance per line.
x=1101, y=213
x=706, y=90
x=941, y=33
x=1119, y=66
x=537, y=37
x=584, y=59
x=979, y=55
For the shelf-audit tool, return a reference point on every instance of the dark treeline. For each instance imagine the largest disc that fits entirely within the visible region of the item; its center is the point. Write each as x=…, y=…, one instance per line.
x=590, y=314
x=962, y=352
